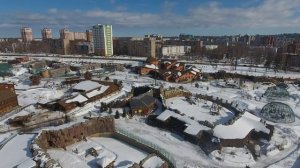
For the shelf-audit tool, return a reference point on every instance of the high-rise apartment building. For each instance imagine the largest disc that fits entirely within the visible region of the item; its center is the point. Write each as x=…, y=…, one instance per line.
x=26, y=34
x=67, y=34
x=46, y=33
x=102, y=39
x=89, y=35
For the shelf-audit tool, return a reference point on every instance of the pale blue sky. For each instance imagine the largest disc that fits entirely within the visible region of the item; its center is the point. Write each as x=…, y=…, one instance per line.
x=166, y=17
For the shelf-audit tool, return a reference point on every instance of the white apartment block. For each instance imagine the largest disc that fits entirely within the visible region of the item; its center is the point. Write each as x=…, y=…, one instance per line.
x=173, y=50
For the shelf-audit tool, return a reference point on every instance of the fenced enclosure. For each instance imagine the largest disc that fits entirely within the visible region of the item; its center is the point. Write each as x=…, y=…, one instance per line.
x=146, y=145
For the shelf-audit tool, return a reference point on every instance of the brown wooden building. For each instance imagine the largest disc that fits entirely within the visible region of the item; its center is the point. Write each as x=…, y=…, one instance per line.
x=142, y=105
x=8, y=98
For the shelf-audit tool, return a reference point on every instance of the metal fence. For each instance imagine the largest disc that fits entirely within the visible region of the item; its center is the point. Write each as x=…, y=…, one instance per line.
x=158, y=149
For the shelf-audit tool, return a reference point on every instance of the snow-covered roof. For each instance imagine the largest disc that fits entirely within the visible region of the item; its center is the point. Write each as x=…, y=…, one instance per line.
x=168, y=72
x=151, y=66
x=179, y=73
x=196, y=70
x=87, y=85
x=240, y=128
x=166, y=114
x=153, y=162
x=105, y=161
x=98, y=91
x=79, y=98
x=193, y=72
x=193, y=127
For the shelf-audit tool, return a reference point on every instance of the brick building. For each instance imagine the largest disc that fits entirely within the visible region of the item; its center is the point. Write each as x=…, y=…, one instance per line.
x=8, y=98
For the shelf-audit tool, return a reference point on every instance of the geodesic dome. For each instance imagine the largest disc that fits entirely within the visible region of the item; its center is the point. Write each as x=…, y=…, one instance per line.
x=283, y=85
x=276, y=92
x=278, y=112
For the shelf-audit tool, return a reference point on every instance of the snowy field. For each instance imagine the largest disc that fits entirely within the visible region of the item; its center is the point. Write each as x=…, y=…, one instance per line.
x=109, y=148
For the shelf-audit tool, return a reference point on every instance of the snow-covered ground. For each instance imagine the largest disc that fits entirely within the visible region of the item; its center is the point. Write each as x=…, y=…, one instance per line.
x=39, y=95
x=184, y=153
x=124, y=154
x=200, y=110
x=16, y=151
x=237, y=157
x=253, y=71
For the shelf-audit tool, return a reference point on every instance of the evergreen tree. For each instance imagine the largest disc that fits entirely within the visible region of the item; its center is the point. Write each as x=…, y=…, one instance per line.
x=117, y=115
x=130, y=113
x=110, y=111
x=124, y=113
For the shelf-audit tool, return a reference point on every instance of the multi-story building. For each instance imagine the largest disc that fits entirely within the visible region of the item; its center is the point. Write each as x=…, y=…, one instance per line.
x=63, y=45
x=89, y=35
x=68, y=35
x=46, y=34
x=26, y=34
x=102, y=39
x=173, y=50
x=143, y=47
x=82, y=47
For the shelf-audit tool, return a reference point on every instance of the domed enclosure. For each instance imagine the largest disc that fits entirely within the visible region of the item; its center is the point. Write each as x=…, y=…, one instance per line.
x=278, y=112
x=276, y=92
x=282, y=85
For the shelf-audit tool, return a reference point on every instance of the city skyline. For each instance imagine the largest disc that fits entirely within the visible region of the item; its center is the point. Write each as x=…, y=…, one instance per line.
x=168, y=18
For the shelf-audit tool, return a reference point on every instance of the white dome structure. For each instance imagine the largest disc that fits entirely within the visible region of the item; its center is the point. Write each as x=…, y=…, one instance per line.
x=278, y=112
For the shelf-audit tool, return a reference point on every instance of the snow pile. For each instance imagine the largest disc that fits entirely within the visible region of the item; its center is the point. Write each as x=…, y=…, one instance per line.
x=106, y=160
x=240, y=128
x=153, y=162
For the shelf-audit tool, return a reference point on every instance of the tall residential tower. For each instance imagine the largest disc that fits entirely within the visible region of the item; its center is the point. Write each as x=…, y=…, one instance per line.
x=26, y=34
x=46, y=33
x=102, y=39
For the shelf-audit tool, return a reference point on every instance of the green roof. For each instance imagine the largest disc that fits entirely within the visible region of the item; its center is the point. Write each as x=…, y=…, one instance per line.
x=5, y=68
